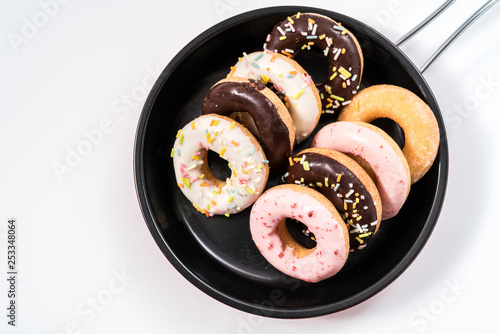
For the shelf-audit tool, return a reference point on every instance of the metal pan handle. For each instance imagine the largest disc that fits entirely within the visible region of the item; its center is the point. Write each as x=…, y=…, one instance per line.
x=453, y=36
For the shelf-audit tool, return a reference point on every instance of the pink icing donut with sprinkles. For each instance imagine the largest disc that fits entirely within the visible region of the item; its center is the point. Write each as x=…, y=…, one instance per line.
x=281, y=250
x=380, y=151
x=234, y=143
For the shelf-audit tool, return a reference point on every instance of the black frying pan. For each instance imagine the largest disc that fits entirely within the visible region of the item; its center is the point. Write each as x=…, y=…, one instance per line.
x=217, y=254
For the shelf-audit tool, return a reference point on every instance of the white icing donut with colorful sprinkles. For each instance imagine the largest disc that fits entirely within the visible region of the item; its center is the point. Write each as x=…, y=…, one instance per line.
x=234, y=143
x=288, y=78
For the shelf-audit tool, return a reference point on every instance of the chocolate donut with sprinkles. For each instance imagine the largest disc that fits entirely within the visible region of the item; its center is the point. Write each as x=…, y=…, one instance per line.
x=346, y=184
x=305, y=30
x=274, y=126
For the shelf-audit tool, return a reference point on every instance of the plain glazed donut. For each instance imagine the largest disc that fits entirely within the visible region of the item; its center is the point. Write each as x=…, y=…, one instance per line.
x=274, y=125
x=412, y=114
x=303, y=30
x=234, y=143
x=288, y=78
x=281, y=250
x=345, y=184
x=381, y=153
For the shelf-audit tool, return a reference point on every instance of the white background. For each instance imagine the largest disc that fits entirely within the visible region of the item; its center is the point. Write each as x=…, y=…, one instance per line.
x=67, y=69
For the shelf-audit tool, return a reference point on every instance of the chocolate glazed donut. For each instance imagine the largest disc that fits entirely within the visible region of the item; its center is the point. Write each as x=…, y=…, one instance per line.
x=304, y=30
x=326, y=171
x=274, y=124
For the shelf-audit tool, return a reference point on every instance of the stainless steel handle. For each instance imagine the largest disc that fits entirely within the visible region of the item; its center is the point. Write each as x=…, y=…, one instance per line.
x=425, y=22
x=453, y=36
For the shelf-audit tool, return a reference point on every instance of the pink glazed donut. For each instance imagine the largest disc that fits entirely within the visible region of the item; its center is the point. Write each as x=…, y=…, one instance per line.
x=380, y=151
x=281, y=250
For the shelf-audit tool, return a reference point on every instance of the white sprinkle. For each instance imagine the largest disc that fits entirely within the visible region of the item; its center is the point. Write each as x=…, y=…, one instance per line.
x=289, y=50
x=286, y=175
x=325, y=52
x=337, y=54
x=346, y=102
x=193, y=166
x=351, y=185
x=297, y=182
x=303, y=159
x=329, y=111
x=336, y=186
x=365, y=207
x=303, y=33
x=349, y=193
x=247, y=57
x=280, y=30
x=342, y=77
x=309, y=26
x=354, y=77
x=314, y=29
x=373, y=223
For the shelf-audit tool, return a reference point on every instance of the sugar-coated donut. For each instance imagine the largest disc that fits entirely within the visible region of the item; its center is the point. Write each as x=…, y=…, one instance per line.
x=412, y=114
x=234, y=143
x=381, y=153
x=345, y=184
x=274, y=125
x=288, y=78
x=281, y=250
x=303, y=30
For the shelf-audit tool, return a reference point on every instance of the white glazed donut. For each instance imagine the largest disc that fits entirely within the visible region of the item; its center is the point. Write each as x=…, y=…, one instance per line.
x=289, y=78
x=270, y=234
x=380, y=151
x=248, y=163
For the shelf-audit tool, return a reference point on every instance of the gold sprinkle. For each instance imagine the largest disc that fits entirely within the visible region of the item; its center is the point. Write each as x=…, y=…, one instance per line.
x=345, y=72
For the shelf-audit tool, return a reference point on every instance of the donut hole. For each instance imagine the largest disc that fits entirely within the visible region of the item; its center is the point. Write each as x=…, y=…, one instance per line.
x=314, y=63
x=392, y=129
x=296, y=235
x=217, y=167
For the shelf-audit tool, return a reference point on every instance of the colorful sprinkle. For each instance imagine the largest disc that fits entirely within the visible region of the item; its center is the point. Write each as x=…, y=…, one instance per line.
x=306, y=167
x=298, y=94
x=344, y=72
x=338, y=98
